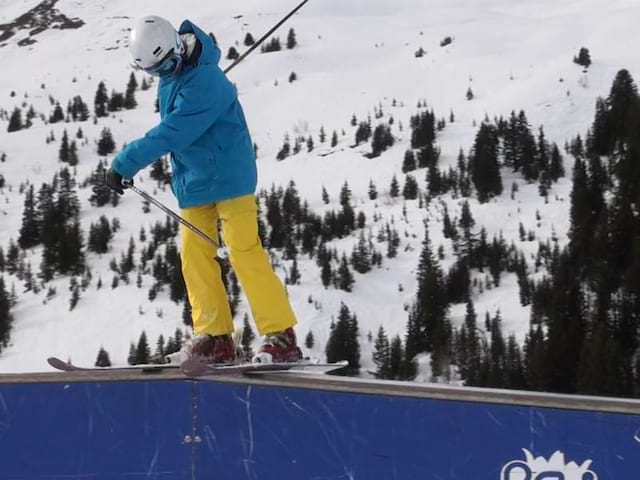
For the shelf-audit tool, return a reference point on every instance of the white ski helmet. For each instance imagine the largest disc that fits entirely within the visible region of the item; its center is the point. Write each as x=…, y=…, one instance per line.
x=155, y=46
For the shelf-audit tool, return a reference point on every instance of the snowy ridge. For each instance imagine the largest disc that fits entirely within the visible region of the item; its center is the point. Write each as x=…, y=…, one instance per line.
x=352, y=56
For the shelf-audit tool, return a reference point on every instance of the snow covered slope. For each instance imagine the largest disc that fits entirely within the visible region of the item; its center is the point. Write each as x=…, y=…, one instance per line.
x=352, y=56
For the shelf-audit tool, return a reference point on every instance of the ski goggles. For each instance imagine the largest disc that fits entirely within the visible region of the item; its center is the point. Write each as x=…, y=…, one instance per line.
x=169, y=65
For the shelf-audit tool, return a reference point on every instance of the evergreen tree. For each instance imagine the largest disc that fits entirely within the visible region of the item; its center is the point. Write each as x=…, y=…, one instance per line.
x=247, y=338
x=106, y=144
x=431, y=303
x=101, y=101
x=142, y=350
x=343, y=341
x=130, y=94
x=360, y=258
x=410, y=190
x=15, y=122
x=382, y=140
x=103, y=359
x=294, y=274
x=334, y=139
x=345, y=277
x=483, y=164
x=309, y=340
x=63, y=153
x=409, y=163
x=583, y=58
x=74, y=288
x=73, y=154
x=30, y=231
x=363, y=133
x=291, y=39
x=347, y=216
x=325, y=196
x=232, y=54
x=57, y=115
x=248, y=40
x=394, y=190
x=116, y=102
x=382, y=354
x=5, y=315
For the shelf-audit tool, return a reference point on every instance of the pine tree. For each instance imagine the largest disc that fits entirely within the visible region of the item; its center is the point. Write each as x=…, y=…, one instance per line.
x=382, y=140
x=345, y=277
x=57, y=115
x=15, y=122
x=101, y=101
x=432, y=304
x=409, y=163
x=484, y=165
x=103, y=359
x=29, y=232
x=347, y=216
x=247, y=337
x=334, y=139
x=142, y=350
x=309, y=340
x=294, y=274
x=116, y=102
x=410, y=190
x=361, y=258
x=74, y=288
x=106, y=144
x=382, y=354
x=325, y=196
x=343, y=341
x=63, y=153
x=130, y=95
x=394, y=190
x=5, y=315
x=470, y=96
x=583, y=58
x=248, y=40
x=232, y=54
x=291, y=39
x=73, y=154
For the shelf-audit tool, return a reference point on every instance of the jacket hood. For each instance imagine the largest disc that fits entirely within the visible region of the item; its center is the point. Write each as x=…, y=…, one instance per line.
x=210, y=51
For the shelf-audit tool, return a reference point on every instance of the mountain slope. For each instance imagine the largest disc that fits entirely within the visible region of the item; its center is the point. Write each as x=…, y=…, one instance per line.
x=351, y=58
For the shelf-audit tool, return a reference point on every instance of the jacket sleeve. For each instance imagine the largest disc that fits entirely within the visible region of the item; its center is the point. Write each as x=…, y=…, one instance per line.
x=200, y=102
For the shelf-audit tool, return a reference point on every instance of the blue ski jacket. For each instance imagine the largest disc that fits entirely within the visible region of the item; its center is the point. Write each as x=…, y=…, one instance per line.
x=203, y=128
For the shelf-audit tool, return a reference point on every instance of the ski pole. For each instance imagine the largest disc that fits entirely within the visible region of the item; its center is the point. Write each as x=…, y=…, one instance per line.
x=220, y=251
x=264, y=37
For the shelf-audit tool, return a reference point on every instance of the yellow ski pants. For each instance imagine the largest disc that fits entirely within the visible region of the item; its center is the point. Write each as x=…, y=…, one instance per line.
x=202, y=274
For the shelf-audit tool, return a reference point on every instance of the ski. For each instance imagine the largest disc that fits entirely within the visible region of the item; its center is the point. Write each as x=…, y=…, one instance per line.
x=61, y=365
x=195, y=368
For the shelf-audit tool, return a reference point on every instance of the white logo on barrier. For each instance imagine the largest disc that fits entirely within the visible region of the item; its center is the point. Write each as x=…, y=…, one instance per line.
x=556, y=468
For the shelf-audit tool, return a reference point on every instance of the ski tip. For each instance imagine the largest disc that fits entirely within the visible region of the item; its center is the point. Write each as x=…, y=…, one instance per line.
x=58, y=364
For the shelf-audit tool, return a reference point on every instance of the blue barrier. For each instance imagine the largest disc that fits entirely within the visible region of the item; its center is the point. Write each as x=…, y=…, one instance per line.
x=177, y=429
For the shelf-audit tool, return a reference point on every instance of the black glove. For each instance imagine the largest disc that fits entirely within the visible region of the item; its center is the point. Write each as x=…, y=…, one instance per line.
x=115, y=182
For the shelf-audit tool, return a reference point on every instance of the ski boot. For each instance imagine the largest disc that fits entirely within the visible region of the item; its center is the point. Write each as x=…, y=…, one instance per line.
x=215, y=350
x=279, y=347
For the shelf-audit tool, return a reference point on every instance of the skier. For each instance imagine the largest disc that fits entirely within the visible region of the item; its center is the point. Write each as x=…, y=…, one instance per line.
x=214, y=178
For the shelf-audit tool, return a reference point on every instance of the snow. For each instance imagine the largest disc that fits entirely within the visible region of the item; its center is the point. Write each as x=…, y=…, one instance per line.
x=351, y=57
